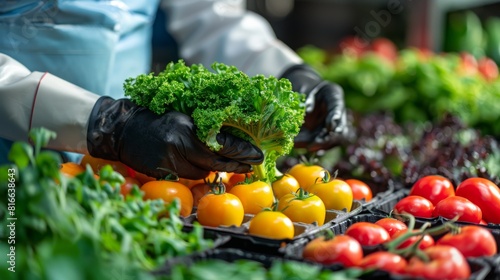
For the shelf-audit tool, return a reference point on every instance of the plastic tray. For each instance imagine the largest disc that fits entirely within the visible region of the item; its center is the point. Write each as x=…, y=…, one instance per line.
x=481, y=267
x=240, y=238
x=380, y=192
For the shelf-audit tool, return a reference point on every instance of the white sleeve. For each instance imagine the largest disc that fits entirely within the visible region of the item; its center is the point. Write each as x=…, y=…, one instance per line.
x=34, y=99
x=224, y=31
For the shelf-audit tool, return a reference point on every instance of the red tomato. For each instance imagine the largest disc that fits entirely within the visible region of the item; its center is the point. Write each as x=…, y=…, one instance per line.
x=386, y=261
x=446, y=262
x=425, y=242
x=236, y=178
x=415, y=205
x=488, y=68
x=433, y=187
x=360, y=190
x=128, y=184
x=467, y=65
x=485, y=194
x=368, y=234
x=471, y=241
x=341, y=249
x=391, y=225
x=385, y=48
x=454, y=206
x=353, y=45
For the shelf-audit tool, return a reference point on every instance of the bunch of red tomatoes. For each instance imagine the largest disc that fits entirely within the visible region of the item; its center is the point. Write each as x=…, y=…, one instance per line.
x=389, y=244
x=474, y=200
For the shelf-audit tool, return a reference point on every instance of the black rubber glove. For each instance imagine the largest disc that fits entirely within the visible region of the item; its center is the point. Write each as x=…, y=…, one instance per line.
x=325, y=120
x=158, y=145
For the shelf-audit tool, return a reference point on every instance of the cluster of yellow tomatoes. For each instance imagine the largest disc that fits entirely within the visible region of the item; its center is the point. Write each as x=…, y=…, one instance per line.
x=303, y=194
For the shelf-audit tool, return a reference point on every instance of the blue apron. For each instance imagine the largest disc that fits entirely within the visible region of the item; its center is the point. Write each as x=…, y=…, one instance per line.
x=93, y=44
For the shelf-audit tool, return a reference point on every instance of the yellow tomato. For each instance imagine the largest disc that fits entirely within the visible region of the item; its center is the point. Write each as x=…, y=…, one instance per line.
x=271, y=224
x=303, y=207
x=254, y=196
x=220, y=209
x=308, y=174
x=284, y=185
x=168, y=191
x=336, y=194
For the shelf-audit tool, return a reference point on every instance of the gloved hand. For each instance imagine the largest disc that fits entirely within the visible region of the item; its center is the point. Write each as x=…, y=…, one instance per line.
x=325, y=120
x=158, y=145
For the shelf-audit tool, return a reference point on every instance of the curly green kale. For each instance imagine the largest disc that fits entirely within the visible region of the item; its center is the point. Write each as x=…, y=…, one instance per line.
x=263, y=110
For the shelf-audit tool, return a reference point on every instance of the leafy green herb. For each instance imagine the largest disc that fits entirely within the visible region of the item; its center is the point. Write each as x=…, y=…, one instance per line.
x=64, y=223
x=263, y=110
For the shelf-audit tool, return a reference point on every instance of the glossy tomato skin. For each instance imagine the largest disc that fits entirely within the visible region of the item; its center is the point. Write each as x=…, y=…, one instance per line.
x=336, y=194
x=341, y=249
x=471, y=241
x=416, y=205
x=485, y=194
x=454, y=206
x=284, y=185
x=254, y=196
x=271, y=224
x=308, y=174
x=433, y=187
x=360, y=190
x=391, y=225
x=425, y=242
x=168, y=191
x=368, y=234
x=222, y=209
x=383, y=260
x=446, y=262
x=305, y=210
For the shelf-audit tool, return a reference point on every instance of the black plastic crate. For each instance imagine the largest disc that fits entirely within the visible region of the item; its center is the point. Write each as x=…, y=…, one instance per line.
x=481, y=267
x=239, y=237
x=380, y=192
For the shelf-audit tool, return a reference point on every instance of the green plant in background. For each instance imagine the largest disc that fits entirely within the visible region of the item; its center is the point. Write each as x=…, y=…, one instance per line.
x=82, y=227
x=416, y=87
